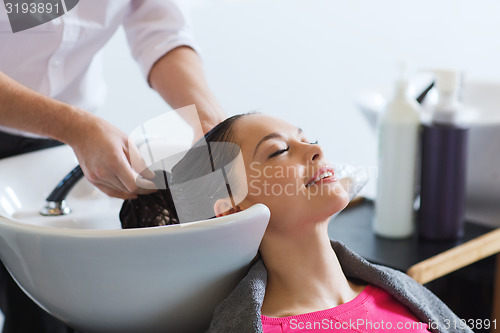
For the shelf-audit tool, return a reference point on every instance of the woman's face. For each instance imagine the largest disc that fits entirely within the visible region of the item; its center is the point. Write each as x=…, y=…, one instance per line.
x=287, y=172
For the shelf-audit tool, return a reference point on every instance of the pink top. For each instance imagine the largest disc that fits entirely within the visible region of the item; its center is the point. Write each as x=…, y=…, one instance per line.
x=373, y=310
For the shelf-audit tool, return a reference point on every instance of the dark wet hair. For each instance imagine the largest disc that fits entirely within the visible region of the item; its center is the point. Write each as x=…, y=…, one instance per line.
x=158, y=208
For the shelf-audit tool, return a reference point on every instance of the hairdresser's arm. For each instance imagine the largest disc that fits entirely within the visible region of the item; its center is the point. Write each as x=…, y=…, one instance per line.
x=179, y=78
x=101, y=148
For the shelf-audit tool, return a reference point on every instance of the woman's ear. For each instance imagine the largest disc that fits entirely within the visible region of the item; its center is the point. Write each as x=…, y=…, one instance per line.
x=223, y=207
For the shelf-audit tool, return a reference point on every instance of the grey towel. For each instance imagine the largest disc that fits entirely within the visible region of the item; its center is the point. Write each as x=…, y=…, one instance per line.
x=240, y=311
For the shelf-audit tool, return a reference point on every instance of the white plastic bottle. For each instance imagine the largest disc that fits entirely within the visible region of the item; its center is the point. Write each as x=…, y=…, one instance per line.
x=398, y=133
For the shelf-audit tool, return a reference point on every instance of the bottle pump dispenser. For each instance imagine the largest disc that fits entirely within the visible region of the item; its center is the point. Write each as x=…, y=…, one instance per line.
x=444, y=160
x=398, y=141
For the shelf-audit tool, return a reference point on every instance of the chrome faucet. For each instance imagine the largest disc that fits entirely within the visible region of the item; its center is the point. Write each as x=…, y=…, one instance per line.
x=55, y=203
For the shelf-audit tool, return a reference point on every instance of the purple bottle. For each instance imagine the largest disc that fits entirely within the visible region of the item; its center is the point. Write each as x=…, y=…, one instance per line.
x=443, y=168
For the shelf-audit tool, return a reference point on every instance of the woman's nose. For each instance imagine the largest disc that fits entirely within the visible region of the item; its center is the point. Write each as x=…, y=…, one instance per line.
x=313, y=152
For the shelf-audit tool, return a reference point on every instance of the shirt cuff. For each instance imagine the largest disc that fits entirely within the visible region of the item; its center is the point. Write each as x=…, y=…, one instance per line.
x=158, y=48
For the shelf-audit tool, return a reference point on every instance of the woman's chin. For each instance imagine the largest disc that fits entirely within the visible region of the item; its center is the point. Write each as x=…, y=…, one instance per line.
x=338, y=202
x=328, y=209
x=339, y=194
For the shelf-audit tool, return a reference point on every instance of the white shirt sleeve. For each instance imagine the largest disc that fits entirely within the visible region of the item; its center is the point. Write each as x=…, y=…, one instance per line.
x=155, y=27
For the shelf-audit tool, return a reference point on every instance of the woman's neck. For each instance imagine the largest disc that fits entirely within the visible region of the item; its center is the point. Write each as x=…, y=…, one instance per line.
x=304, y=274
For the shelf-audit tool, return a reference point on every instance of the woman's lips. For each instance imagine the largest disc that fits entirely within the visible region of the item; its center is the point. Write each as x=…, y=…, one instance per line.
x=325, y=174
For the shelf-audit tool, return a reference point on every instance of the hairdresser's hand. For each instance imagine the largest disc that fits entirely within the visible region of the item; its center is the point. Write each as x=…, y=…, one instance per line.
x=105, y=158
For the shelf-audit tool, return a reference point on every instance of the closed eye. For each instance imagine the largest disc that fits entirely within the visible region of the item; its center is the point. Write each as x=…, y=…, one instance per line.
x=281, y=151
x=278, y=152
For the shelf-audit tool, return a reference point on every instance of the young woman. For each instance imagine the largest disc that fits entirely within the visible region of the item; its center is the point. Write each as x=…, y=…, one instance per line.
x=304, y=281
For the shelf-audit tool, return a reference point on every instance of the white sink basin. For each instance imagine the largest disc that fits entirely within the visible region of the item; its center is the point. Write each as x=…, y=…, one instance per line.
x=87, y=271
x=26, y=181
x=482, y=100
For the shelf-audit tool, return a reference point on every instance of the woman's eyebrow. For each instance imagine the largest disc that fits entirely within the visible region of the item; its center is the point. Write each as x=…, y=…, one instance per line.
x=273, y=135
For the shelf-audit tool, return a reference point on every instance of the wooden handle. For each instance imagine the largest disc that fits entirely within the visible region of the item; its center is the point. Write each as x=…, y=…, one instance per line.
x=456, y=258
